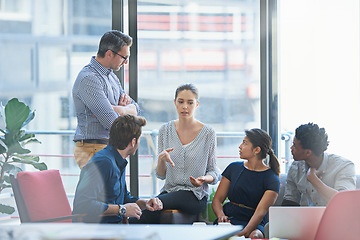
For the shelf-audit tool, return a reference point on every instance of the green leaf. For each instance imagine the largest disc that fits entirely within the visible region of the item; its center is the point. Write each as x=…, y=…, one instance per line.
x=25, y=161
x=16, y=113
x=34, y=140
x=10, y=139
x=11, y=169
x=26, y=158
x=13, y=139
x=26, y=137
x=6, y=209
x=30, y=117
x=40, y=166
x=15, y=147
x=7, y=179
x=8, y=167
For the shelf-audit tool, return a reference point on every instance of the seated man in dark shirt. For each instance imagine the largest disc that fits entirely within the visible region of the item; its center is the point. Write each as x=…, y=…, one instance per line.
x=101, y=193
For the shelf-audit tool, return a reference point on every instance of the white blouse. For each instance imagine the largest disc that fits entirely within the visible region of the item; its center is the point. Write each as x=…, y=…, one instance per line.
x=198, y=158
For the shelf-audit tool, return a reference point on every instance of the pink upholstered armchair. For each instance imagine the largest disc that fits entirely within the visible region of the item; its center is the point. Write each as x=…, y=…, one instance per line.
x=40, y=197
x=341, y=217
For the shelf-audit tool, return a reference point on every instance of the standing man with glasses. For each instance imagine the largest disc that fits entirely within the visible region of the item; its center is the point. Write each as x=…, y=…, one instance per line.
x=98, y=96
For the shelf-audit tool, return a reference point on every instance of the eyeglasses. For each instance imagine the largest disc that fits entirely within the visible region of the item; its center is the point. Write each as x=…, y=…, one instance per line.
x=125, y=58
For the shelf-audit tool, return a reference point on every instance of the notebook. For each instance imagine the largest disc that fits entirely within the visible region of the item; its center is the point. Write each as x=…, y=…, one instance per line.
x=294, y=222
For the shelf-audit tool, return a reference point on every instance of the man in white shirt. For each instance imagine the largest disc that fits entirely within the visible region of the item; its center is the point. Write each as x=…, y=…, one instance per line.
x=316, y=176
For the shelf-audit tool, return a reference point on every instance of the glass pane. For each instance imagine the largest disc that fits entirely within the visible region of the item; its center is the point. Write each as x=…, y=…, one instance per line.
x=54, y=64
x=319, y=69
x=43, y=46
x=15, y=16
x=16, y=55
x=90, y=17
x=213, y=44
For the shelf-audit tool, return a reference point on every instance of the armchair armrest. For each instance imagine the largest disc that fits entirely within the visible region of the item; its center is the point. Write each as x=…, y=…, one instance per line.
x=78, y=217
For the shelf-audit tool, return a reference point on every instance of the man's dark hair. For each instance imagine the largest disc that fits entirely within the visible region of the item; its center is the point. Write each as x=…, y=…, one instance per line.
x=113, y=40
x=124, y=129
x=312, y=137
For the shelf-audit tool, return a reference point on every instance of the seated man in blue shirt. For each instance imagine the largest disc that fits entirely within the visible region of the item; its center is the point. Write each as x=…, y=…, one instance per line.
x=101, y=193
x=315, y=176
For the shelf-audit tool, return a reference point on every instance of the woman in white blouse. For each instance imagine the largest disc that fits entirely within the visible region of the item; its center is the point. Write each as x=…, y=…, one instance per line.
x=187, y=159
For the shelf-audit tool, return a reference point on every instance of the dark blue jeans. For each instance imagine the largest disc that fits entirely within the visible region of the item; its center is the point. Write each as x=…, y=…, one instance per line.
x=184, y=201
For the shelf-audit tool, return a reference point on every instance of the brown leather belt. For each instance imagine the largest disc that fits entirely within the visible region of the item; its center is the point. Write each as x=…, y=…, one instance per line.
x=243, y=206
x=96, y=141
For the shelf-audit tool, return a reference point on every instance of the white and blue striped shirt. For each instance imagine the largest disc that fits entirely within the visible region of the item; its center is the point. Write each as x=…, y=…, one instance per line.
x=95, y=91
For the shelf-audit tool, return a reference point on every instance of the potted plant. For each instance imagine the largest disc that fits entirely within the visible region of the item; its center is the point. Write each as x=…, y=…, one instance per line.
x=13, y=140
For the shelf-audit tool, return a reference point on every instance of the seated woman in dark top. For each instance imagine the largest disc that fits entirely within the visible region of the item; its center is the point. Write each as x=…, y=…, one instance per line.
x=251, y=186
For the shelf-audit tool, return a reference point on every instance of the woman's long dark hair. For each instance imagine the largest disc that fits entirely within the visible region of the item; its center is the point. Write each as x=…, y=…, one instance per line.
x=260, y=138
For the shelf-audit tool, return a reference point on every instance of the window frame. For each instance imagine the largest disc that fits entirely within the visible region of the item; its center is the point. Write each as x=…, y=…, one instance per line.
x=268, y=71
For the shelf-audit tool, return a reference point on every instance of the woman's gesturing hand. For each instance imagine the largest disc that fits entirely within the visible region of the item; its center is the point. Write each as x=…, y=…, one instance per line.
x=198, y=181
x=165, y=156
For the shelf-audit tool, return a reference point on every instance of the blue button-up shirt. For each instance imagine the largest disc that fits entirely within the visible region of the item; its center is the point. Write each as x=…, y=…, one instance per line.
x=102, y=182
x=95, y=91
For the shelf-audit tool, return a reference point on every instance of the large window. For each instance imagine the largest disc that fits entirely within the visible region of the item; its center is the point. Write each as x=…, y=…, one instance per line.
x=319, y=72
x=213, y=44
x=43, y=46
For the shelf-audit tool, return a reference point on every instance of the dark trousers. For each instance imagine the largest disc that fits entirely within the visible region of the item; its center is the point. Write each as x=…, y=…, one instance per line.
x=184, y=201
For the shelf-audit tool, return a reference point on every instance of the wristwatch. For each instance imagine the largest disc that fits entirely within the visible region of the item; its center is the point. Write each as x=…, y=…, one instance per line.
x=122, y=210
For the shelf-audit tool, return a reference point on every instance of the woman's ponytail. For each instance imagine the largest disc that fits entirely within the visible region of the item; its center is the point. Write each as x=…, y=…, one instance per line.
x=274, y=162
